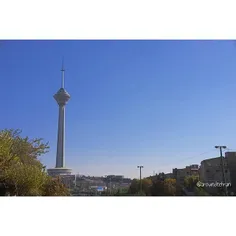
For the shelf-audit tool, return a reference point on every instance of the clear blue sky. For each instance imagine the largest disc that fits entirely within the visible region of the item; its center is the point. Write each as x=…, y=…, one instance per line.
x=156, y=103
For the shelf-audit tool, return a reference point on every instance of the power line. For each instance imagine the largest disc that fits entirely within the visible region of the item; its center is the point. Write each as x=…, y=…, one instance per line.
x=190, y=158
x=231, y=149
x=203, y=153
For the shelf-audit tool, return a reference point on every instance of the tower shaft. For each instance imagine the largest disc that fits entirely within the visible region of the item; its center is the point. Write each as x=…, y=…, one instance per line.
x=62, y=97
x=60, y=158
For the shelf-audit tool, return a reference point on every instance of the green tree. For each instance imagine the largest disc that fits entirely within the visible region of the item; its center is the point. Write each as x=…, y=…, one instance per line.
x=170, y=187
x=21, y=173
x=200, y=191
x=146, y=186
x=24, y=150
x=54, y=187
x=122, y=192
x=134, y=187
x=24, y=179
x=190, y=182
x=157, y=188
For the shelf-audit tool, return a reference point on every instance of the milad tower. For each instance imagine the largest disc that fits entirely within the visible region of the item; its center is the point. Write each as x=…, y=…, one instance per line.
x=62, y=97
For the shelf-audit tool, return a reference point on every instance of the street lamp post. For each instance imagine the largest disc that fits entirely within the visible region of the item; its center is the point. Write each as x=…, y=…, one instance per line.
x=223, y=167
x=110, y=185
x=75, y=179
x=140, y=177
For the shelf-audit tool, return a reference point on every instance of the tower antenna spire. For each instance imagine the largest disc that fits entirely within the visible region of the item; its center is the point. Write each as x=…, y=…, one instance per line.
x=63, y=74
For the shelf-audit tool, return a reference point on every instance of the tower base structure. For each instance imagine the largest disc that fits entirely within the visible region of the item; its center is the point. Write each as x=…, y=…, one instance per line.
x=59, y=171
x=65, y=175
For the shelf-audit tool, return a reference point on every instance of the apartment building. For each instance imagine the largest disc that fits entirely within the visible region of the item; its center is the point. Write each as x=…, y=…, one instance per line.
x=211, y=172
x=230, y=159
x=169, y=176
x=181, y=174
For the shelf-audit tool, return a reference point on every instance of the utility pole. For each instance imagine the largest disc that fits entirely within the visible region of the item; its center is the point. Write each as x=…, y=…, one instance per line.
x=223, y=167
x=75, y=179
x=110, y=185
x=106, y=181
x=140, y=177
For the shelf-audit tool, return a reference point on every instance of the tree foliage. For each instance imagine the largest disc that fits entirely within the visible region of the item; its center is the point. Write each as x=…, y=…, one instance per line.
x=21, y=173
x=170, y=187
x=157, y=188
x=144, y=187
x=200, y=192
x=54, y=187
x=122, y=192
x=190, y=182
x=154, y=187
x=134, y=187
x=24, y=150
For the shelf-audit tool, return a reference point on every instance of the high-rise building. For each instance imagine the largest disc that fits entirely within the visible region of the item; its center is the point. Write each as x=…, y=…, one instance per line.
x=62, y=97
